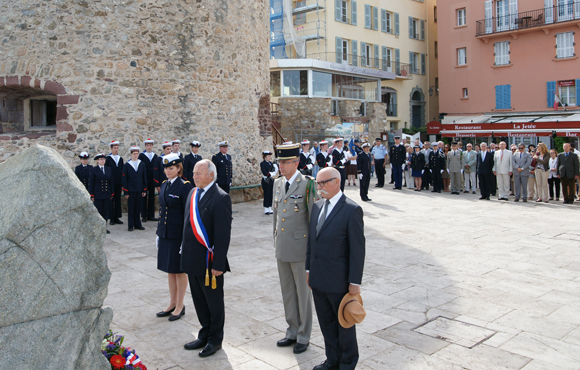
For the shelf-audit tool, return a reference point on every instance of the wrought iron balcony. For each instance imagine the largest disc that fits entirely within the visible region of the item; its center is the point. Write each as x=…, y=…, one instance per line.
x=529, y=19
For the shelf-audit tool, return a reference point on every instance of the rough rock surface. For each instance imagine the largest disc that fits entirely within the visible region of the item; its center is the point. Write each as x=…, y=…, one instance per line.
x=53, y=270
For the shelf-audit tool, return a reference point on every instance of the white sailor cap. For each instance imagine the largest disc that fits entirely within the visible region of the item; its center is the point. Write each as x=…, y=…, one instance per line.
x=266, y=152
x=365, y=145
x=149, y=141
x=165, y=144
x=100, y=155
x=223, y=143
x=338, y=139
x=114, y=142
x=84, y=155
x=131, y=149
x=286, y=143
x=323, y=142
x=176, y=141
x=195, y=143
x=305, y=142
x=171, y=159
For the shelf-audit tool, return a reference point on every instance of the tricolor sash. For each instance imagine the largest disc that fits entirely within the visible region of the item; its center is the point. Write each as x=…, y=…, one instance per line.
x=200, y=234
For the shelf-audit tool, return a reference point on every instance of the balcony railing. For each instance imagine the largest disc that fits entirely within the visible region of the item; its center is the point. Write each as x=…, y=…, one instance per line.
x=529, y=19
x=400, y=69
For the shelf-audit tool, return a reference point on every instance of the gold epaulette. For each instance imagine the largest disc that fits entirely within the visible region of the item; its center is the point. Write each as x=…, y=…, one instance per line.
x=186, y=182
x=164, y=181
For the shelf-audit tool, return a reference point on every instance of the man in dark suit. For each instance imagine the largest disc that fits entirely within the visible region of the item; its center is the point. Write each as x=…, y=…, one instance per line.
x=115, y=163
x=334, y=264
x=101, y=187
x=437, y=166
x=485, y=171
x=150, y=160
x=363, y=163
x=223, y=163
x=215, y=211
x=568, y=172
x=397, y=157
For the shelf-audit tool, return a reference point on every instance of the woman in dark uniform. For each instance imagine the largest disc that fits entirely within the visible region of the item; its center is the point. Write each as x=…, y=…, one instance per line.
x=82, y=170
x=417, y=167
x=172, y=198
x=269, y=170
x=134, y=187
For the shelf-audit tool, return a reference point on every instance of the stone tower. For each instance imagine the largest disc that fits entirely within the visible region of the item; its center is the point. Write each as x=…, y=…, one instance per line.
x=76, y=74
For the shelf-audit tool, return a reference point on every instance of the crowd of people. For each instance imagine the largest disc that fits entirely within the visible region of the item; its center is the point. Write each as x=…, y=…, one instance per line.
x=527, y=173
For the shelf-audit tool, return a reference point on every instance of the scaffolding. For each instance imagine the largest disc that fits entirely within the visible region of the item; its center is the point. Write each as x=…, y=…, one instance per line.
x=296, y=24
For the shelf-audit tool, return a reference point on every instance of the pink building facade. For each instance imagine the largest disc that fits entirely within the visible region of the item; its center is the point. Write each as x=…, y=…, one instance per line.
x=505, y=61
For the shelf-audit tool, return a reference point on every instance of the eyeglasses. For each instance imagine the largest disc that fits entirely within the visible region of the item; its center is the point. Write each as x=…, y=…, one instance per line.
x=322, y=183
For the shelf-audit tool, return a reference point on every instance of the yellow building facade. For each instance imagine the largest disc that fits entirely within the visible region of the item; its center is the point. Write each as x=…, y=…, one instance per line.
x=395, y=37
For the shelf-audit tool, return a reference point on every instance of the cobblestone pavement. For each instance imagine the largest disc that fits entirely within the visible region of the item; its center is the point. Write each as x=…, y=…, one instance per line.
x=500, y=277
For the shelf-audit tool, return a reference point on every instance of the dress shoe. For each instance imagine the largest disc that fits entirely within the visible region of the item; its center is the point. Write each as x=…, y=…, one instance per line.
x=325, y=366
x=525, y=200
x=177, y=317
x=111, y=222
x=299, y=348
x=285, y=342
x=108, y=232
x=392, y=182
x=152, y=219
x=517, y=200
x=130, y=229
x=369, y=200
x=465, y=191
x=119, y=222
x=473, y=192
x=433, y=191
x=210, y=349
x=143, y=219
x=196, y=344
x=165, y=313
x=140, y=228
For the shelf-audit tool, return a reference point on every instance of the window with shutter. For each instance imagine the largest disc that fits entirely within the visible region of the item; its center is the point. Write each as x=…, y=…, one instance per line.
x=502, y=53
x=422, y=22
x=375, y=18
x=383, y=20
x=397, y=62
x=423, y=67
x=385, y=65
x=565, y=45
x=377, y=65
x=550, y=92
x=503, y=97
x=461, y=17
x=367, y=16
x=338, y=50
x=338, y=10
x=353, y=13
x=363, y=54
x=389, y=23
x=354, y=44
x=488, y=17
x=411, y=28
x=412, y=61
x=397, y=24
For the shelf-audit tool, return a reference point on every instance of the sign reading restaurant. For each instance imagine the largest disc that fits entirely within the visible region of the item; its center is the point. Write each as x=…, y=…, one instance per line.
x=505, y=129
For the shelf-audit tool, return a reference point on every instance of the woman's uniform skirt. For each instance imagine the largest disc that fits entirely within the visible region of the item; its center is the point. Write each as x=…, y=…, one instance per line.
x=168, y=257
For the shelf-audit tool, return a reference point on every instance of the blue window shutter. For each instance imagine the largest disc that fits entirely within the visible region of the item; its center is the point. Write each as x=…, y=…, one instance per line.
x=337, y=10
x=507, y=96
x=422, y=29
x=411, y=36
x=383, y=20
x=384, y=58
x=395, y=105
x=397, y=61
x=354, y=45
x=577, y=92
x=412, y=61
x=498, y=97
x=338, y=50
x=367, y=16
x=377, y=56
x=353, y=13
x=551, y=90
x=397, y=24
x=363, y=54
x=422, y=64
x=376, y=18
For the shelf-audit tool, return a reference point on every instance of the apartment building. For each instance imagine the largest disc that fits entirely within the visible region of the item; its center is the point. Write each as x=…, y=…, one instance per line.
x=370, y=63
x=504, y=64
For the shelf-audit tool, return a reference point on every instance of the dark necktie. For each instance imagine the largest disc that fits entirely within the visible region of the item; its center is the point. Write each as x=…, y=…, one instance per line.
x=287, y=186
x=199, y=195
x=103, y=168
x=323, y=218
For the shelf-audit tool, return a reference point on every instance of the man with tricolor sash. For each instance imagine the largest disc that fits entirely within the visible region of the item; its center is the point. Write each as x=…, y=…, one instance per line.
x=294, y=194
x=206, y=239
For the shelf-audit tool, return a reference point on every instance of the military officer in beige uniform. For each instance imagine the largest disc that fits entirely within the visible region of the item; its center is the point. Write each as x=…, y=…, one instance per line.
x=294, y=195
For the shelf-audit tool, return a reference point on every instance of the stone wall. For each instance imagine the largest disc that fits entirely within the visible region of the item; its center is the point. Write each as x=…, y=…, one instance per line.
x=377, y=114
x=132, y=70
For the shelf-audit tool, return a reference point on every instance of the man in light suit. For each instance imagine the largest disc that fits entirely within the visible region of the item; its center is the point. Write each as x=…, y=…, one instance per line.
x=294, y=196
x=568, y=171
x=485, y=171
x=521, y=164
x=334, y=265
x=503, y=169
x=455, y=167
x=215, y=209
x=469, y=165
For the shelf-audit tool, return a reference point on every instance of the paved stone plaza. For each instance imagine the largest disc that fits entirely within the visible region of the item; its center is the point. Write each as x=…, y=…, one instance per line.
x=508, y=273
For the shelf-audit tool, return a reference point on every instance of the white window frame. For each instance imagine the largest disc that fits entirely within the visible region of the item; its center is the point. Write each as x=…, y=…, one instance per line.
x=565, y=10
x=389, y=22
x=344, y=11
x=465, y=93
x=565, y=45
x=502, y=53
x=389, y=60
x=567, y=92
x=416, y=63
x=461, y=20
x=462, y=56
x=502, y=14
x=416, y=31
x=345, y=51
x=369, y=48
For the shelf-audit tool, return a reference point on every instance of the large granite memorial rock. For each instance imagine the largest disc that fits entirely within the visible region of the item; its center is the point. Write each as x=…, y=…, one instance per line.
x=53, y=269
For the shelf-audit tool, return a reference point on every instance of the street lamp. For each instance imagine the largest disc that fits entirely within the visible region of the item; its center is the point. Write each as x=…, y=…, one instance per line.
x=430, y=91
